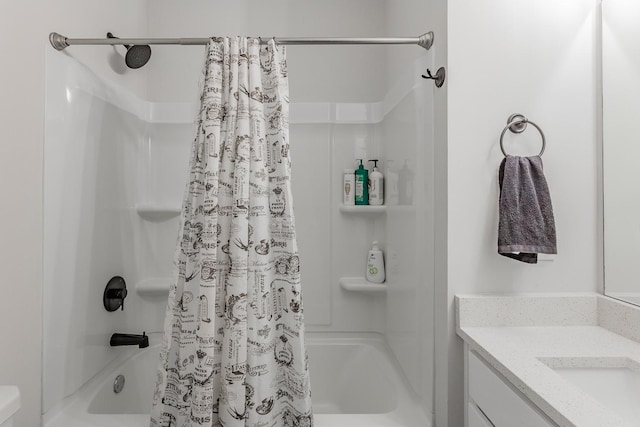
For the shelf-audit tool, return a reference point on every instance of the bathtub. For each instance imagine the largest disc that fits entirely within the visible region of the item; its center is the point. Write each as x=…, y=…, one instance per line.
x=355, y=382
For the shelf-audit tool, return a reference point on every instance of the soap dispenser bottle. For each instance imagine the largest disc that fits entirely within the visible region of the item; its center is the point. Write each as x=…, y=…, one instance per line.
x=376, y=185
x=362, y=192
x=375, y=265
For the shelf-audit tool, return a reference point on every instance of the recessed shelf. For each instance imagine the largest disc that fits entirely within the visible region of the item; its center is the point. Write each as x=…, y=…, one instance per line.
x=157, y=212
x=363, y=209
x=360, y=284
x=154, y=286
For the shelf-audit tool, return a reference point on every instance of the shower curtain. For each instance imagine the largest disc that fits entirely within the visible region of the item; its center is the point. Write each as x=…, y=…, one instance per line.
x=233, y=349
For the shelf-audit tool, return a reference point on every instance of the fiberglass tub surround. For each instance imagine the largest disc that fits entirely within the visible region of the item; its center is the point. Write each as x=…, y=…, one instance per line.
x=142, y=148
x=351, y=395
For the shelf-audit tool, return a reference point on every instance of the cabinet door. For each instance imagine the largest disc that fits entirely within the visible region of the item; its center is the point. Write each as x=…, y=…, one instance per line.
x=477, y=418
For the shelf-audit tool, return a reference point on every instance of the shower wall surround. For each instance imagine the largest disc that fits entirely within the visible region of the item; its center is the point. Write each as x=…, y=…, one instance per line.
x=115, y=169
x=347, y=102
x=135, y=152
x=408, y=135
x=131, y=169
x=92, y=144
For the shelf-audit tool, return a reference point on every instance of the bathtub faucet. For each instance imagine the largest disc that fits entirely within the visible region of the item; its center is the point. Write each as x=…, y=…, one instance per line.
x=141, y=341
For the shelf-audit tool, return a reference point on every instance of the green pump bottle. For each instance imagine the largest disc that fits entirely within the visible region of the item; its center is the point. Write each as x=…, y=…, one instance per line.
x=362, y=190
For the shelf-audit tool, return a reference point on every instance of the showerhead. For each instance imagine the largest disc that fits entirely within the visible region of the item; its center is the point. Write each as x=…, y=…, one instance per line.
x=137, y=55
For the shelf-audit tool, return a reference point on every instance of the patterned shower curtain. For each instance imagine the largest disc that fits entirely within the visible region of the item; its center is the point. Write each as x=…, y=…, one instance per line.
x=233, y=350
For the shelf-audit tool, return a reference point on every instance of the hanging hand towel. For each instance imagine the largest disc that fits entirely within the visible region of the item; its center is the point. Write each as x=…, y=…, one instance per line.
x=526, y=226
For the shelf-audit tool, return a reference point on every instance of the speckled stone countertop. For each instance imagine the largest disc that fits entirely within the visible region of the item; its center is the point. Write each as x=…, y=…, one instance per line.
x=521, y=336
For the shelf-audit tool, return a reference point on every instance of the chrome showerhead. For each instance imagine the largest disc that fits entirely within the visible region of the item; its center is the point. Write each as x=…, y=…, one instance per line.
x=137, y=55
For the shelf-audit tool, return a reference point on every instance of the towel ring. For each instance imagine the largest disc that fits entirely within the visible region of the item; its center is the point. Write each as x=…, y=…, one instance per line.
x=517, y=123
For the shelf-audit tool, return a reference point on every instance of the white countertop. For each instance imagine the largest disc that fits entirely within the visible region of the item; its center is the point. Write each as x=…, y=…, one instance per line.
x=514, y=352
x=515, y=343
x=9, y=402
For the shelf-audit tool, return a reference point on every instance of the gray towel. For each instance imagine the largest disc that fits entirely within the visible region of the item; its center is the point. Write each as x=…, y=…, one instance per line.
x=526, y=227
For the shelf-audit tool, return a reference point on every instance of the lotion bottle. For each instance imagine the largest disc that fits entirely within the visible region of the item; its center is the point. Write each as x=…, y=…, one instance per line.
x=376, y=185
x=348, y=187
x=362, y=193
x=375, y=265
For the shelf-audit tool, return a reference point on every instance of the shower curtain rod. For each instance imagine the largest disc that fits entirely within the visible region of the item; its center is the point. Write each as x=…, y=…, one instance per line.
x=60, y=42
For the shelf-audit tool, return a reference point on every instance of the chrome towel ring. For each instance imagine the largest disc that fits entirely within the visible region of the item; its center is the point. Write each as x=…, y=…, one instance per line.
x=517, y=123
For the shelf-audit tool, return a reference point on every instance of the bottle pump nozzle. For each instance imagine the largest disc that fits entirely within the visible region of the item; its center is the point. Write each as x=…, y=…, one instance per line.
x=375, y=163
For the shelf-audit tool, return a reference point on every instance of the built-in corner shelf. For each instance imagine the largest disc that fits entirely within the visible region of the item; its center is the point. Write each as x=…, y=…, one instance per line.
x=363, y=209
x=360, y=284
x=157, y=212
x=155, y=286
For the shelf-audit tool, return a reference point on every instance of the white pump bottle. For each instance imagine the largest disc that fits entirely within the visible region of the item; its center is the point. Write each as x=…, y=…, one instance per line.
x=375, y=265
x=376, y=185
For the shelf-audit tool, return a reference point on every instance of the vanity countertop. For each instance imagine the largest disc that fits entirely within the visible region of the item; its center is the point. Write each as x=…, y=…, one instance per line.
x=520, y=338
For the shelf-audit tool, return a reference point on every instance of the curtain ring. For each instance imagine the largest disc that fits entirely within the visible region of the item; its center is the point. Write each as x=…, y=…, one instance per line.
x=520, y=121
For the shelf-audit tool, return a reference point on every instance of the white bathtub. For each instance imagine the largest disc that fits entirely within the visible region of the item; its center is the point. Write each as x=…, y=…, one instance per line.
x=355, y=382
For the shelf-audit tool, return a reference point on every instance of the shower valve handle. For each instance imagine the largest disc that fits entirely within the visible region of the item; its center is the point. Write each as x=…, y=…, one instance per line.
x=117, y=294
x=114, y=294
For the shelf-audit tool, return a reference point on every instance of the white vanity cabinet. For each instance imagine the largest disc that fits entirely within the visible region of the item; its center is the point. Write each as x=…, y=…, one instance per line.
x=493, y=402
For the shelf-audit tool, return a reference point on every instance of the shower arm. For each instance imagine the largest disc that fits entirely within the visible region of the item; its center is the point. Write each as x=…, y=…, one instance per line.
x=60, y=42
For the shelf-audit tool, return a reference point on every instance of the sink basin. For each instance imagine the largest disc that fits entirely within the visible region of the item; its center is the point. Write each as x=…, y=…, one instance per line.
x=617, y=388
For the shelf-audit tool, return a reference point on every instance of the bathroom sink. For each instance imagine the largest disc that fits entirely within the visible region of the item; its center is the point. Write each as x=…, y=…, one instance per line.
x=616, y=388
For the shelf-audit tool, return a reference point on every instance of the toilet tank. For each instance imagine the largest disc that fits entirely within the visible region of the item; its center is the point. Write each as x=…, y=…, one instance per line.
x=9, y=404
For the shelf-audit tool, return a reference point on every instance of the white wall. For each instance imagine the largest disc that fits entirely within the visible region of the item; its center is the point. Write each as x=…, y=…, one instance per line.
x=27, y=24
x=535, y=58
x=317, y=74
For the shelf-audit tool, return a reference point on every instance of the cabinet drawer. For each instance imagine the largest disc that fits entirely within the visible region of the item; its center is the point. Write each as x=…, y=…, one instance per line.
x=498, y=401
